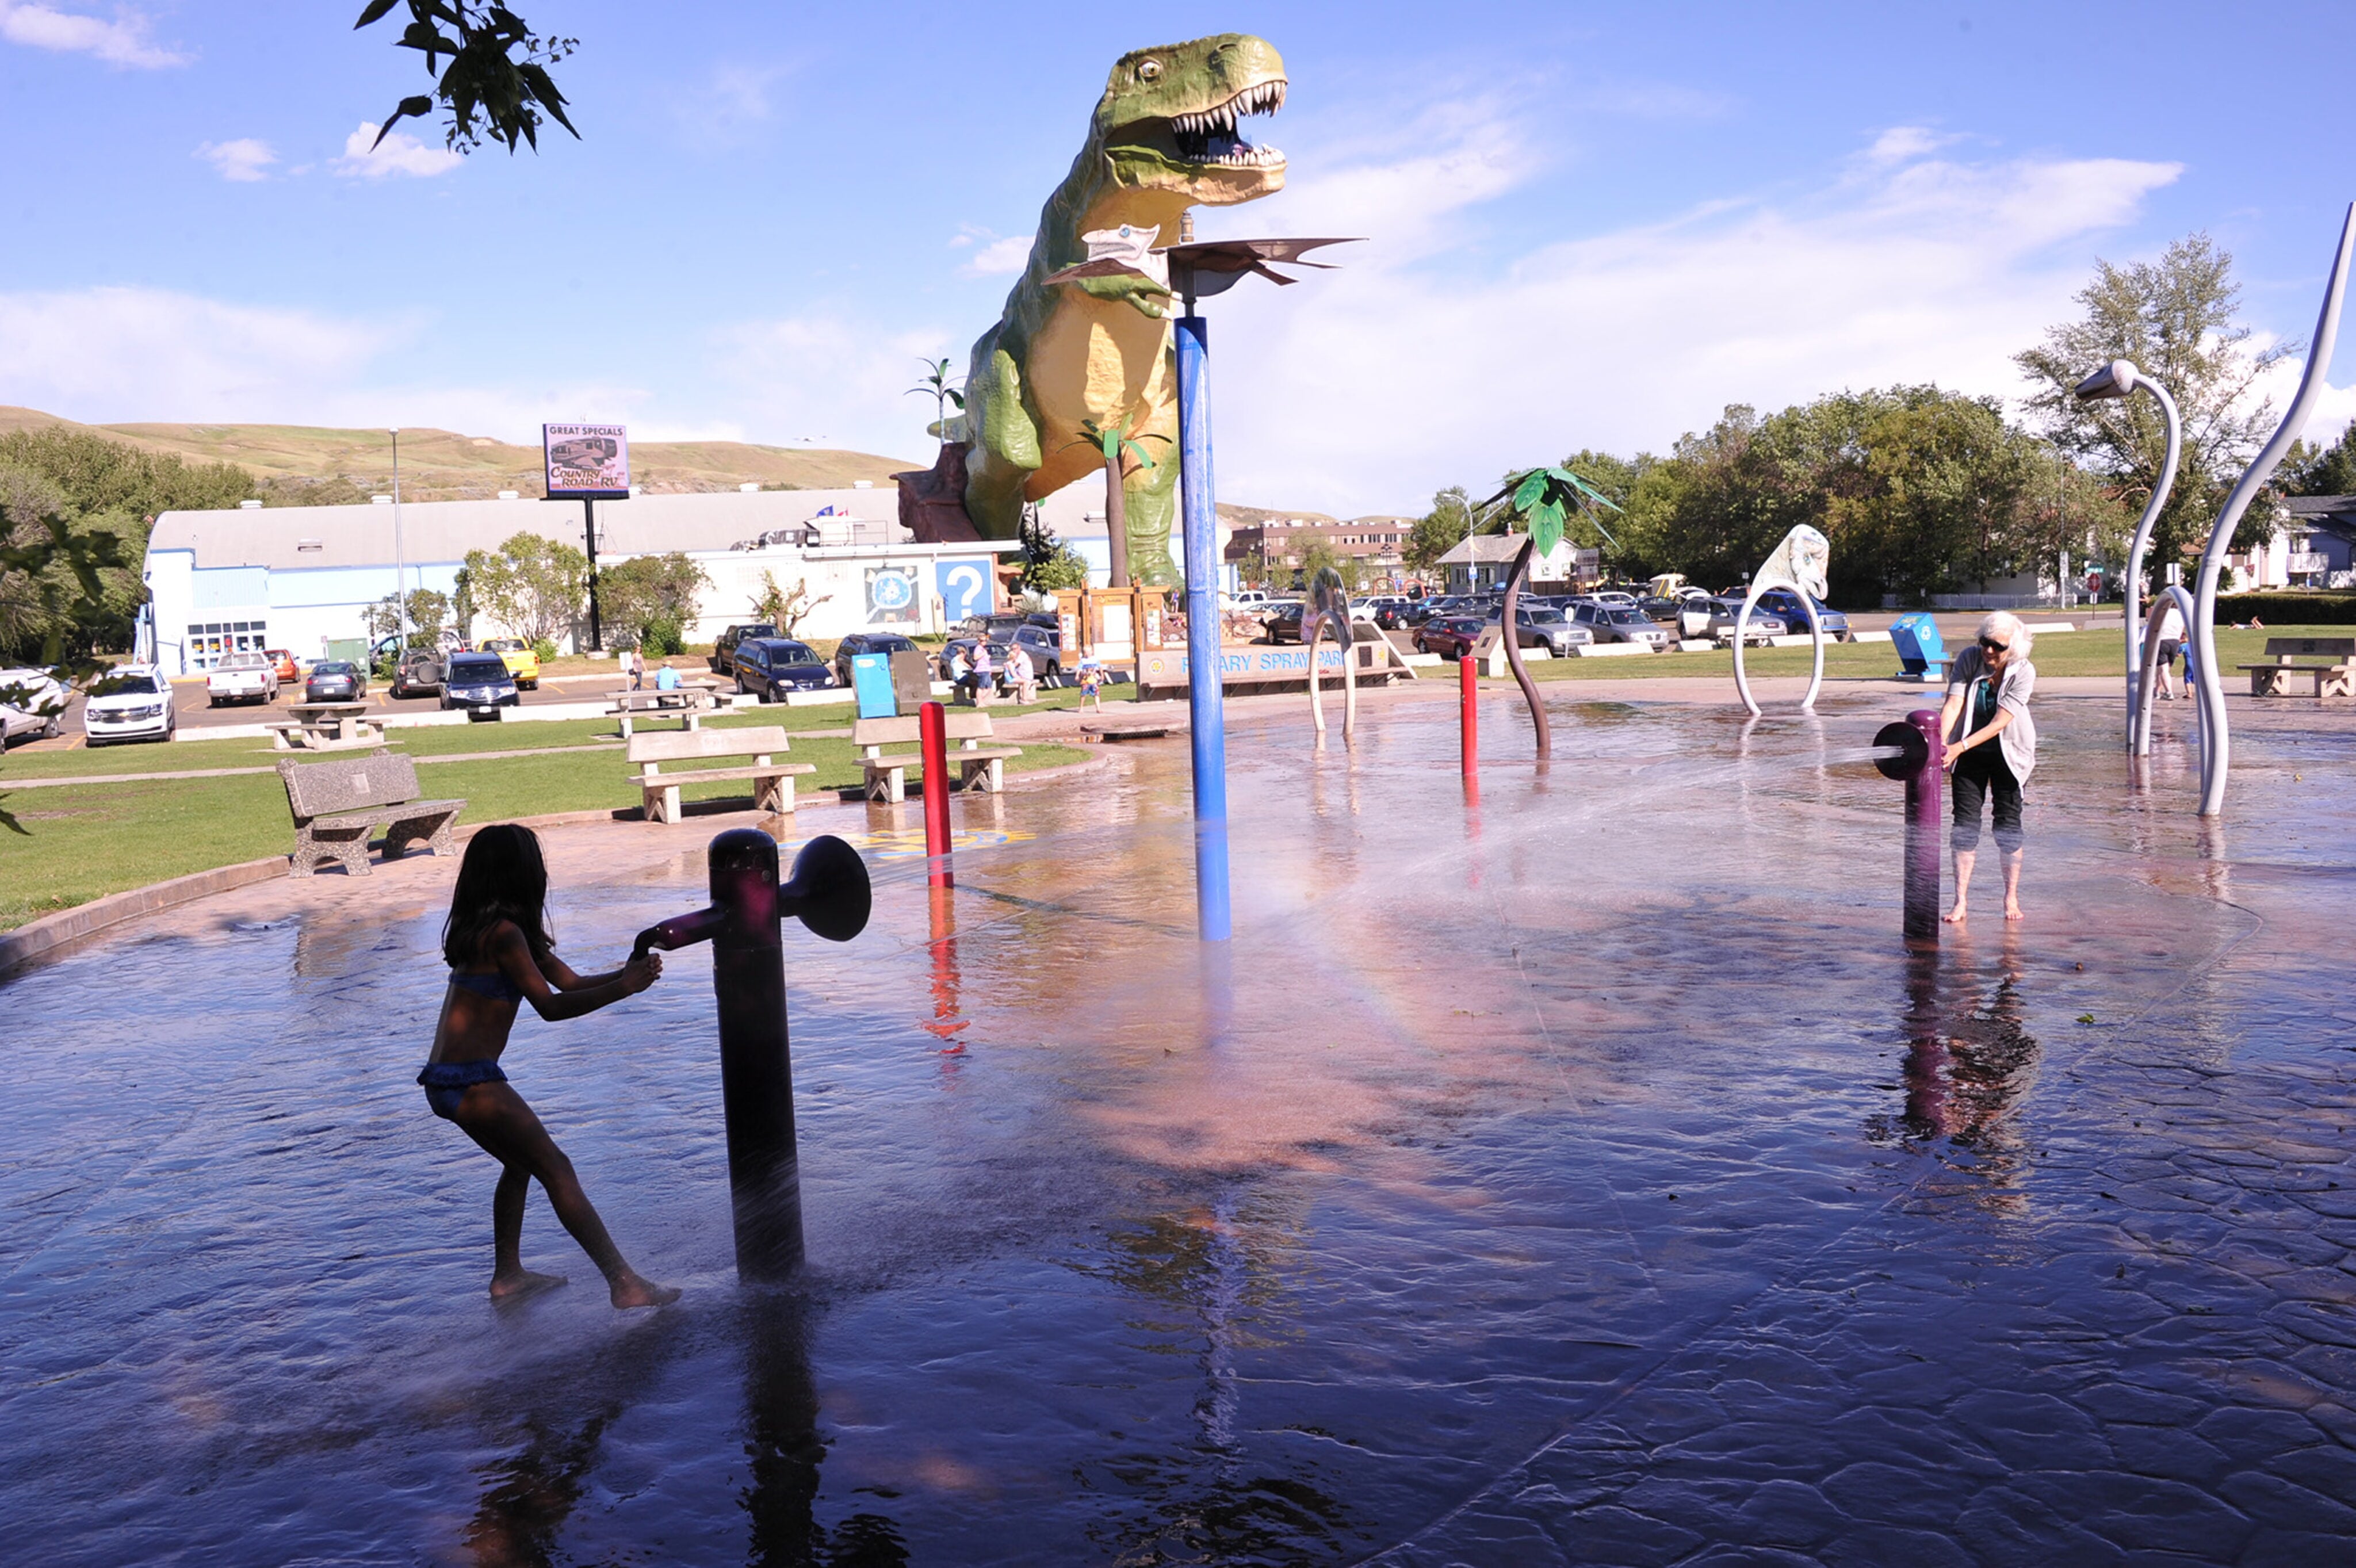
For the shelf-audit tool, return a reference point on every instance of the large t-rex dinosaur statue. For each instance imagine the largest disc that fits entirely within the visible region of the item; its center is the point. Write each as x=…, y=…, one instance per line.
x=1098, y=350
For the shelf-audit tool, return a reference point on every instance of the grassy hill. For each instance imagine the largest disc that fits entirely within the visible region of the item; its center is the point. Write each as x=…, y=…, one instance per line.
x=304, y=463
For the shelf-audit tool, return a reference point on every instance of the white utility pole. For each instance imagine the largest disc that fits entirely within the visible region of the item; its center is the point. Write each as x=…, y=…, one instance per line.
x=400, y=562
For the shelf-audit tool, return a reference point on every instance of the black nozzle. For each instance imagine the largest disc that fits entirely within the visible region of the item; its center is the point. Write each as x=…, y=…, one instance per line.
x=1914, y=748
x=828, y=891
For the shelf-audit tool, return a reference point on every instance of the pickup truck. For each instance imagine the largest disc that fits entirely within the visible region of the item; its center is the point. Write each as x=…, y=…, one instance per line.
x=241, y=678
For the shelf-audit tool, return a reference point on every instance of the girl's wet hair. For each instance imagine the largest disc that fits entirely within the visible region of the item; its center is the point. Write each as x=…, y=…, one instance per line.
x=503, y=877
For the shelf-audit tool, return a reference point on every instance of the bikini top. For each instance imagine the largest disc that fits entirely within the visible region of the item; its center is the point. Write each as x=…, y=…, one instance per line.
x=494, y=986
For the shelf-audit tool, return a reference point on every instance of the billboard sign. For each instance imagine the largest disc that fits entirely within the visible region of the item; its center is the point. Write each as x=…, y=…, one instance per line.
x=588, y=462
x=964, y=588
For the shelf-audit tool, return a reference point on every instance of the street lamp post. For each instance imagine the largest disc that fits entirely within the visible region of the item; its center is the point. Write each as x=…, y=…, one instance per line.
x=2121, y=378
x=400, y=561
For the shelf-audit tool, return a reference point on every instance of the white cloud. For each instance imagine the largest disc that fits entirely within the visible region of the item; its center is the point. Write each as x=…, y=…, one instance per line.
x=994, y=258
x=123, y=42
x=1419, y=364
x=727, y=107
x=399, y=153
x=835, y=374
x=243, y=160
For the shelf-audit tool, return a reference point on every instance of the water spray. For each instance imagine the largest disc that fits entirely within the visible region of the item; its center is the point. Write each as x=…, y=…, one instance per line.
x=830, y=894
x=1918, y=756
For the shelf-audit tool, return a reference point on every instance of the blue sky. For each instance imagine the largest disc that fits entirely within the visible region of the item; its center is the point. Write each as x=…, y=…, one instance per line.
x=1588, y=225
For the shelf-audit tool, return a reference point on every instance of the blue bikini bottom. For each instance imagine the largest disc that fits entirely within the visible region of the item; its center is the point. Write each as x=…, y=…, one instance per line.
x=446, y=1083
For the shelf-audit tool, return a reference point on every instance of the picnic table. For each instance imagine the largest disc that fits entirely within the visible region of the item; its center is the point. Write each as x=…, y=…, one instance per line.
x=2334, y=677
x=687, y=704
x=327, y=726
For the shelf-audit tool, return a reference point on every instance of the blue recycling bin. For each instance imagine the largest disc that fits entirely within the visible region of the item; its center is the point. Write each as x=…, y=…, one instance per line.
x=1922, y=652
x=871, y=683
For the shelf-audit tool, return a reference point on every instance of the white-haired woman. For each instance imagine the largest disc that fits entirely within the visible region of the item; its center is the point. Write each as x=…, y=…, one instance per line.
x=1991, y=747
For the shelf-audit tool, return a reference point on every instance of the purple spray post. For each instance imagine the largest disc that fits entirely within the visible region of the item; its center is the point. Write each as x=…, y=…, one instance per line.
x=830, y=894
x=1921, y=762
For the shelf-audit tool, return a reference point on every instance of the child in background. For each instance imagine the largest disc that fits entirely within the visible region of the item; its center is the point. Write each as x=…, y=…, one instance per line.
x=1091, y=685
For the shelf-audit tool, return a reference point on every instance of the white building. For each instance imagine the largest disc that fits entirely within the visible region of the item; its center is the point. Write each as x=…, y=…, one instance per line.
x=300, y=577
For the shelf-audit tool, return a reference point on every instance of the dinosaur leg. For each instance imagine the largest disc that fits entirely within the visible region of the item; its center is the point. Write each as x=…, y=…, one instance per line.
x=1005, y=442
x=1152, y=495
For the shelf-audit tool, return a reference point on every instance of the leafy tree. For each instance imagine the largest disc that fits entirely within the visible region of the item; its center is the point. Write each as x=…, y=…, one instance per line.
x=652, y=597
x=535, y=587
x=1048, y=563
x=2176, y=319
x=937, y=386
x=2322, y=470
x=1317, y=556
x=486, y=76
x=429, y=617
x=1447, y=524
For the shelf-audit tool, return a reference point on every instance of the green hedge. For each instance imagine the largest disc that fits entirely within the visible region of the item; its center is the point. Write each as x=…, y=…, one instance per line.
x=2283, y=608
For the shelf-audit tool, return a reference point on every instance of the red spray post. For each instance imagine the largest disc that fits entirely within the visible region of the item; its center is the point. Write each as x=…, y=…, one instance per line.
x=1468, y=688
x=933, y=728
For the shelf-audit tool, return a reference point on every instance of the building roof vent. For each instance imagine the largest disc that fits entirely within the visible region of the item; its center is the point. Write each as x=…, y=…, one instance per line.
x=509, y=496
x=751, y=490
x=381, y=500
x=309, y=544
x=248, y=506
x=862, y=484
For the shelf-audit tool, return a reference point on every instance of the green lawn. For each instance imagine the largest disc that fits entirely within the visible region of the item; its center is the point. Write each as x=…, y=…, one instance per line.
x=84, y=841
x=2063, y=653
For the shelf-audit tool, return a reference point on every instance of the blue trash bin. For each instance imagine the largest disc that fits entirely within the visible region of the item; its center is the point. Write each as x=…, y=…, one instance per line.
x=1922, y=652
x=871, y=683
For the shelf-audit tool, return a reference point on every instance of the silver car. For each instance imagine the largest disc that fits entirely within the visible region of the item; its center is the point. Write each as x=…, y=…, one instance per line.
x=1543, y=626
x=1715, y=618
x=1618, y=623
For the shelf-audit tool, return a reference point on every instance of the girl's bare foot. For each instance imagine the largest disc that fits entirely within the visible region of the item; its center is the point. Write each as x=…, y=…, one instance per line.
x=522, y=1283
x=630, y=1290
x=1953, y=916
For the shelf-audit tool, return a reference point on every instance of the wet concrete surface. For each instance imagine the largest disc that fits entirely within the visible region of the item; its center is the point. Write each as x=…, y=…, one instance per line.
x=1584, y=1173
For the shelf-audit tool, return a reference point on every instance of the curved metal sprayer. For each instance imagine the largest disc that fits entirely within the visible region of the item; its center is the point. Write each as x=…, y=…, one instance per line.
x=2217, y=746
x=1798, y=564
x=1329, y=609
x=2121, y=378
x=2139, y=714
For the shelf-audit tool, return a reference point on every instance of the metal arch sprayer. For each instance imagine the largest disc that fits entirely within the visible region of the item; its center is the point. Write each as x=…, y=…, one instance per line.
x=1797, y=563
x=2216, y=741
x=2148, y=672
x=2121, y=378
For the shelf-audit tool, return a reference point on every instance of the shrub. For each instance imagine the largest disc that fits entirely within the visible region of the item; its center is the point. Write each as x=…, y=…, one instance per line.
x=545, y=647
x=2287, y=608
x=661, y=637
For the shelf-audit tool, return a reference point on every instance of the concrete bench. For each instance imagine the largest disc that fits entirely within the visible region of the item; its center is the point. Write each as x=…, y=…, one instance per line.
x=340, y=803
x=686, y=704
x=979, y=766
x=650, y=753
x=327, y=726
x=2335, y=679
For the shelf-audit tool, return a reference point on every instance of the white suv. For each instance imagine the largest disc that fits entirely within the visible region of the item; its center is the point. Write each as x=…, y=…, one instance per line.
x=130, y=702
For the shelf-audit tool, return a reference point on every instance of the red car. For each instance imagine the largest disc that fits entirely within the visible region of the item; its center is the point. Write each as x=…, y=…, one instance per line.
x=1451, y=637
x=283, y=662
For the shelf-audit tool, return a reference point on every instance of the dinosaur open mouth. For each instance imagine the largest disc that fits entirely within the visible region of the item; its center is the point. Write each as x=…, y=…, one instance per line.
x=1212, y=137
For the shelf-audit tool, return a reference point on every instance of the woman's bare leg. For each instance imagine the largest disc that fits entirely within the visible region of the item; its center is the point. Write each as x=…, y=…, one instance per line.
x=2012, y=886
x=497, y=1117
x=1964, y=859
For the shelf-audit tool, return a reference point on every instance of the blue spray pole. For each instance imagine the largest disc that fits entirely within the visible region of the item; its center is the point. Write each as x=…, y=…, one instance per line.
x=1205, y=694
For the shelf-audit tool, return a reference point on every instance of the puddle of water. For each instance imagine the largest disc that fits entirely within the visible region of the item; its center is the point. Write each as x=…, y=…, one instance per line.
x=1276, y=1255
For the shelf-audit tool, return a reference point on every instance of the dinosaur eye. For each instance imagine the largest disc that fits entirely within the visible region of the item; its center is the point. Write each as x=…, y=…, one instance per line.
x=1149, y=69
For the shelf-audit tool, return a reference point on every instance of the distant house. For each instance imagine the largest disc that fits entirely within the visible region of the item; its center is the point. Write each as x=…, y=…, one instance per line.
x=2318, y=542
x=1481, y=563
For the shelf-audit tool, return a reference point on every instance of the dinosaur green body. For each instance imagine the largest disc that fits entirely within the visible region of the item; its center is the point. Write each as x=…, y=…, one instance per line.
x=1098, y=350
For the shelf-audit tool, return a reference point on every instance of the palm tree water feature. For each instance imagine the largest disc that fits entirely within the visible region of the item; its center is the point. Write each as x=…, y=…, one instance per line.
x=1639, y=1191
x=1544, y=500
x=829, y=893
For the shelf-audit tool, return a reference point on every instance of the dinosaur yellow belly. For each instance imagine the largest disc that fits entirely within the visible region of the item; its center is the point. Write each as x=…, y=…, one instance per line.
x=1096, y=359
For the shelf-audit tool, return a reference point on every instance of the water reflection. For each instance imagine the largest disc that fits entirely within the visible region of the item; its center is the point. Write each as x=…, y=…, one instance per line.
x=783, y=1453
x=1970, y=1063
x=947, y=1023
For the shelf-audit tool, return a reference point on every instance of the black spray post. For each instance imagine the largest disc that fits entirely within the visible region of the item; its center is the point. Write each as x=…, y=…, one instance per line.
x=1921, y=761
x=830, y=894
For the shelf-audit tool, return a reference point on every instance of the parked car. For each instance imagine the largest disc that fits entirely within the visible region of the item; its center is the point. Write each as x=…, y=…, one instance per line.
x=481, y=684
x=1618, y=623
x=1715, y=618
x=865, y=642
x=1044, y=644
x=336, y=680
x=1614, y=597
x=16, y=723
x=1451, y=637
x=1659, y=607
x=289, y=672
x=241, y=678
x=521, y=660
x=1282, y=623
x=963, y=646
x=997, y=627
x=723, y=646
x=1543, y=626
x=769, y=666
x=419, y=672
x=130, y=702
x=35, y=695
x=1785, y=606
x=1247, y=598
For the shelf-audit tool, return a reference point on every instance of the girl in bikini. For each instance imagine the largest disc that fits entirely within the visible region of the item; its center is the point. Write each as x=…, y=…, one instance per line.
x=499, y=949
